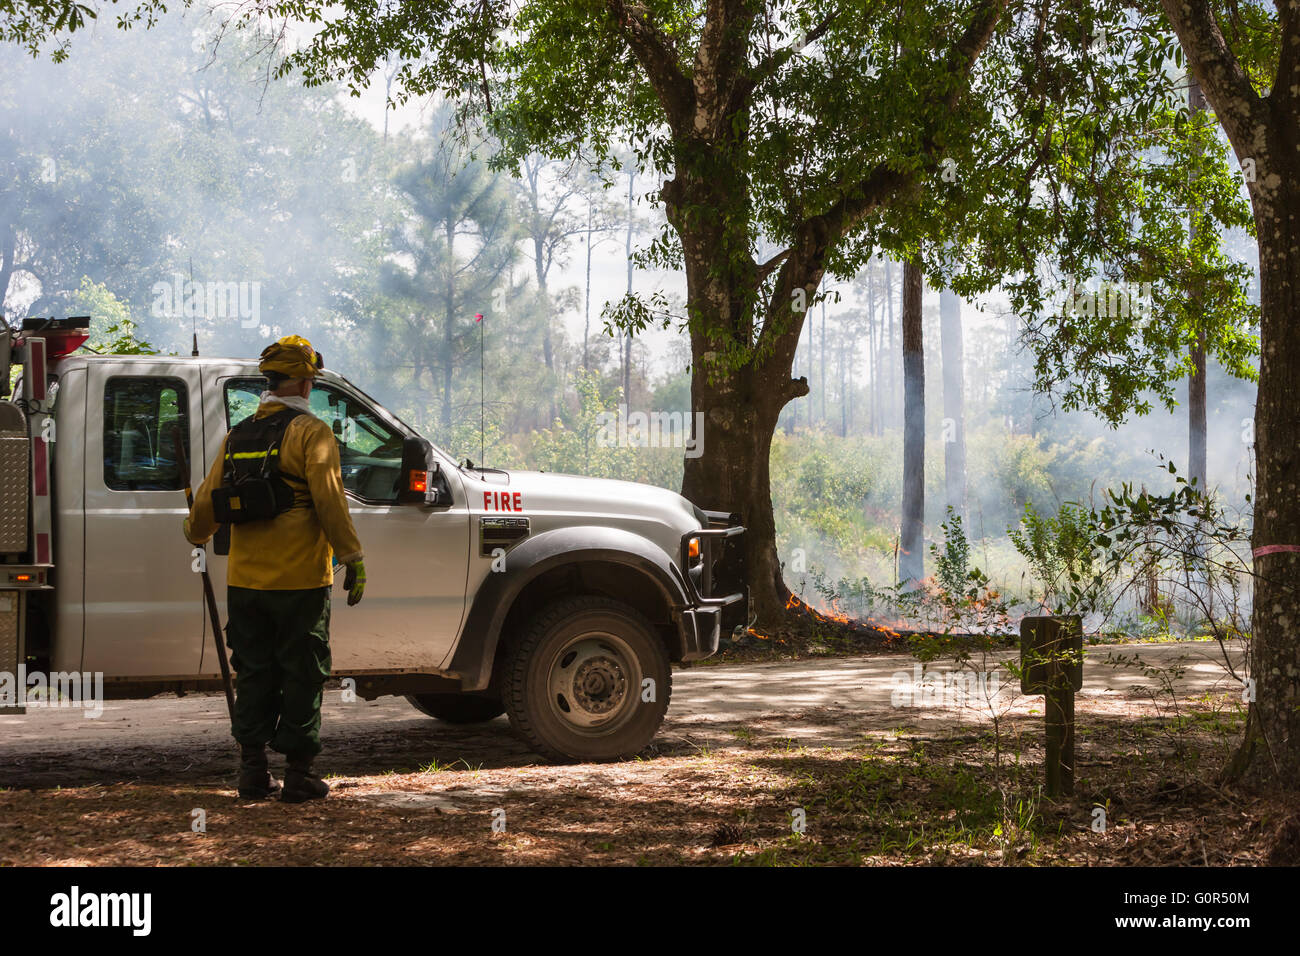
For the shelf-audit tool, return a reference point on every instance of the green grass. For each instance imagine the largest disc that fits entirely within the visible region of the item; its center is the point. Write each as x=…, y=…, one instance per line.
x=434, y=766
x=905, y=805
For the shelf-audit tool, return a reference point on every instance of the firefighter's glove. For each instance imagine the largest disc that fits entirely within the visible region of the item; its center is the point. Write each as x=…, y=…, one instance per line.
x=354, y=582
x=187, y=531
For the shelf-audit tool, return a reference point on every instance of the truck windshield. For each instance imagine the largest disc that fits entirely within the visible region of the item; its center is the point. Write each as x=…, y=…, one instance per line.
x=370, y=451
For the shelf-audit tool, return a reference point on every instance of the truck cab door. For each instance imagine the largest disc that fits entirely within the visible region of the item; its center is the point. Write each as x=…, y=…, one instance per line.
x=417, y=557
x=143, y=600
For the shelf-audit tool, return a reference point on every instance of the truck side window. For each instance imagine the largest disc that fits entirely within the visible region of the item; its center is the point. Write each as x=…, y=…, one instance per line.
x=144, y=420
x=370, y=452
x=242, y=398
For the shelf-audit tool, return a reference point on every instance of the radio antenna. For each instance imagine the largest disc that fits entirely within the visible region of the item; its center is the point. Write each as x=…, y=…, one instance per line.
x=482, y=441
x=194, y=324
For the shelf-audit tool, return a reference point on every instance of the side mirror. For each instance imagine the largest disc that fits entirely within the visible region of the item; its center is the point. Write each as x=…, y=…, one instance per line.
x=413, y=480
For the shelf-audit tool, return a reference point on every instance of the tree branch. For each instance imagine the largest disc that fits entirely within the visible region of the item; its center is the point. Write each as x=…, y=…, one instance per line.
x=1288, y=66
x=816, y=235
x=1228, y=89
x=773, y=62
x=770, y=265
x=659, y=60
x=863, y=197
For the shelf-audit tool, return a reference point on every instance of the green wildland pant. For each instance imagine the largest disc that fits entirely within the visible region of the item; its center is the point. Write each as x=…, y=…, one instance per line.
x=279, y=647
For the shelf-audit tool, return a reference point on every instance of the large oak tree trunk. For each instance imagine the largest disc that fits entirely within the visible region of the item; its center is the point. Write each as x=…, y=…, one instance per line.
x=1276, y=614
x=729, y=468
x=1265, y=134
x=733, y=474
x=1196, y=409
x=911, y=555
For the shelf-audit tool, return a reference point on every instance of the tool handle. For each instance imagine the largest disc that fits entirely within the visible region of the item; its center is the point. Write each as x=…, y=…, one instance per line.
x=209, y=596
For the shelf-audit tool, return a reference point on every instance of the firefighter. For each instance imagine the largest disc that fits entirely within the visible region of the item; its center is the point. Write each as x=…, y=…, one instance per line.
x=279, y=571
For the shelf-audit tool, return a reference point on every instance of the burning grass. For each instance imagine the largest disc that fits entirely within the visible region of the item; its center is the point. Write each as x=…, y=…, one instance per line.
x=804, y=631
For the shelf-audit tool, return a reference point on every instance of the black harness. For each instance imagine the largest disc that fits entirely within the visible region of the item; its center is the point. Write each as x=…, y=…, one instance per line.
x=253, y=486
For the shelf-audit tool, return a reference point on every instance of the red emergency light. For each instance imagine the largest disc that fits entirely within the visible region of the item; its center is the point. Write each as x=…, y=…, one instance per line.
x=62, y=336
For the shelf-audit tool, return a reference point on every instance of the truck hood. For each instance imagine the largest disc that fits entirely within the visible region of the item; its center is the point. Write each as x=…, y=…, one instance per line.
x=553, y=497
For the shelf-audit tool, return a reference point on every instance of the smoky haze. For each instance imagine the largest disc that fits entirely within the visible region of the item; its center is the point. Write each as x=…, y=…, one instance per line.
x=162, y=183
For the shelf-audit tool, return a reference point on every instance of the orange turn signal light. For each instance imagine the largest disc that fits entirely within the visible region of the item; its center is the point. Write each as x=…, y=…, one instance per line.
x=419, y=481
x=695, y=547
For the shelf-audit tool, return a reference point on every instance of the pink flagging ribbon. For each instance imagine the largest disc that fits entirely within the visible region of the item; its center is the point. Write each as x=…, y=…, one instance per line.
x=1275, y=549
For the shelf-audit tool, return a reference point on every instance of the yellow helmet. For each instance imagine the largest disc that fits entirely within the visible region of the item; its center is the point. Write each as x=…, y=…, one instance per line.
x=292, y=356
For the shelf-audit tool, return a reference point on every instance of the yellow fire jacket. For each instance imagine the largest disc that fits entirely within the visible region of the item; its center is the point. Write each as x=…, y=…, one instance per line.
x=293, y=550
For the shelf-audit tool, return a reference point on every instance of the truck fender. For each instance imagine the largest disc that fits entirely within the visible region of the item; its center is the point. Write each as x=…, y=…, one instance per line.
x=475, y=652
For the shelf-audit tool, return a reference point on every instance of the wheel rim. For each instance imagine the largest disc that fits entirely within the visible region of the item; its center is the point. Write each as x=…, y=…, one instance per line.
x=593, y=683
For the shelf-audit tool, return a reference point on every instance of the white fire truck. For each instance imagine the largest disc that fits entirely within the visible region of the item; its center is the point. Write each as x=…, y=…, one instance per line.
x=559, y=600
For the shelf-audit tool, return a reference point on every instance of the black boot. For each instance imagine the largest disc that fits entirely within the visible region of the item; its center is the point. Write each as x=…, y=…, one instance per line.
x=300, y=784
x=255, y=780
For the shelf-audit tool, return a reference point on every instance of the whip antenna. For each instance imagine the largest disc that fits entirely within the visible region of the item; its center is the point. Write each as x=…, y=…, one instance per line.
x=482, y=440
x=194, y=320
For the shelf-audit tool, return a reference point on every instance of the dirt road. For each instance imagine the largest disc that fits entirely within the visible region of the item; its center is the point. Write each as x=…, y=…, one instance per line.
x=744, y=748
x=829, y=702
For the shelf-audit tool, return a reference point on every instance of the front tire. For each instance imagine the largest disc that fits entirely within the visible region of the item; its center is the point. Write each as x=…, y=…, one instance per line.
x=589, y=680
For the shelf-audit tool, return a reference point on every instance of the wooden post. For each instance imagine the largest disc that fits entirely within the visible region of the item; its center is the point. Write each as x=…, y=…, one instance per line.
x=1051, y=657
x=1058, y=708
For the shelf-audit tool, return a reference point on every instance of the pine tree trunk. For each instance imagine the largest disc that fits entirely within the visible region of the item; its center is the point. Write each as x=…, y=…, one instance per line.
x=887, y=352
x=954, y=402
x=853, y=348
x=844, y=401
x=586, y=298
x=811, y=359
x=627, y=251
x=911, y=558
x=873, y=357
x=1197, y=427
x=821, y=377
x=448, y=332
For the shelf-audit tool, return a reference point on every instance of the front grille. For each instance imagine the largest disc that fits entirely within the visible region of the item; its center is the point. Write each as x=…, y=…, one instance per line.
x=503, y=533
